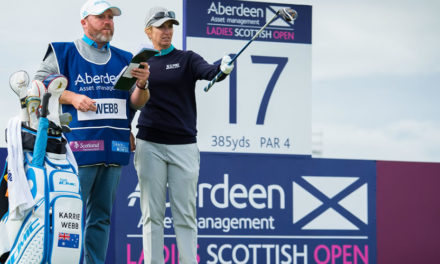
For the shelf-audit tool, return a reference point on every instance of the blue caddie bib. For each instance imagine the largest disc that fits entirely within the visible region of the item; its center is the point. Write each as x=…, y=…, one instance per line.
x=100, y=137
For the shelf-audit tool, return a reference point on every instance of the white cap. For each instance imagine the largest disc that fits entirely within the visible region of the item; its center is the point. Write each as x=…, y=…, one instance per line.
x=159, y=15
x=97, y=7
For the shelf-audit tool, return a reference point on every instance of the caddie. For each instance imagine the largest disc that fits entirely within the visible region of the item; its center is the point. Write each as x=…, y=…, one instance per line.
x=100, y=137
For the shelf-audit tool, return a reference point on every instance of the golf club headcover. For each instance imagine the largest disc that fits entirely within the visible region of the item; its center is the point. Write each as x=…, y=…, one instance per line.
x=65, y=119
x=19, y=82
x=55, y=84
x=33, y=102
x=225, y=67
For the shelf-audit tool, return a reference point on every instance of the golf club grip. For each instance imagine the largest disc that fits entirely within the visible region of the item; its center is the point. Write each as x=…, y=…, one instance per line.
x=214, y=80
x=45, y=104
x=220, y=74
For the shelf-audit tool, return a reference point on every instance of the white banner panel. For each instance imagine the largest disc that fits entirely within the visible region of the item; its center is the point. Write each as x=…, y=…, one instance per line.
x=264, y=106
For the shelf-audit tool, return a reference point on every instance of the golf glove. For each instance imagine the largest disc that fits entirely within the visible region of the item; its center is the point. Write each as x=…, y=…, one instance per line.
x=224, y=66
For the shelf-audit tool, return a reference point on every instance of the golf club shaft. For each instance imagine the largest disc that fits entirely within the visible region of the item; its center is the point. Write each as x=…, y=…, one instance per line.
x=41, y=139
x=220, y=74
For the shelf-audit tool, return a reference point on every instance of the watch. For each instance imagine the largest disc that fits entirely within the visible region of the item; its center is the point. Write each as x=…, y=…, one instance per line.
x=142, y=88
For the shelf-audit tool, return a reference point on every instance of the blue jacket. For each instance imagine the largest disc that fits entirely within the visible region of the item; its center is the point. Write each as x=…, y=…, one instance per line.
x=170, y=116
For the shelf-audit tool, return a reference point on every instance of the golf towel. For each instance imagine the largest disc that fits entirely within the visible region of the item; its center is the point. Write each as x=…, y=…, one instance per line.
x=20, y=196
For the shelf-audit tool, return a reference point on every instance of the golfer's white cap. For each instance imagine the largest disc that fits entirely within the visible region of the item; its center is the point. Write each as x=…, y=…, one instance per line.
x=97, y=7
x=159, y=15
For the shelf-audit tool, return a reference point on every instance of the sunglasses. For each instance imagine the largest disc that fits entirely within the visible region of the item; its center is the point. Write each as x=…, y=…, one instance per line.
x=162, y=14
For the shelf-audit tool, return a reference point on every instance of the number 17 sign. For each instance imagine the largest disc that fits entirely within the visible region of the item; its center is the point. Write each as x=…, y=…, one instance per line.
x=264, y=105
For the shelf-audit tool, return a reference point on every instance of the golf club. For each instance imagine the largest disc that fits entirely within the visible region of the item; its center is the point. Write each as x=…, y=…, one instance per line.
x=287, y=14
x=41, y=139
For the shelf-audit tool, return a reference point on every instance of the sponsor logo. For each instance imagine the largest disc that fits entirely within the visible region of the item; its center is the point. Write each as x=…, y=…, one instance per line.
x=121, y=146
x=224, y=195
x=87, y=79
x=241, y=10
x=64, y=181
x=87, y=145
x=241, y=21
x=134, y=195
x=74, y=144
x=23, y=240
x=172, y=66
x=318, y=203
x=10, y=175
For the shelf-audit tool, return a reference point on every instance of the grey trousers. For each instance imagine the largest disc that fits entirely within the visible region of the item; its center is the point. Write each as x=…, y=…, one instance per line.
x=177, y=166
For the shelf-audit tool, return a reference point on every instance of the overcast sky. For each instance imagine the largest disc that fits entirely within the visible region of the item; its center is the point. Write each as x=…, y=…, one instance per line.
x=375, y=68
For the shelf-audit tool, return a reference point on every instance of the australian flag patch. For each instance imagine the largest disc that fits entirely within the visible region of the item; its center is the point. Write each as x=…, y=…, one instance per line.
x=68, y=240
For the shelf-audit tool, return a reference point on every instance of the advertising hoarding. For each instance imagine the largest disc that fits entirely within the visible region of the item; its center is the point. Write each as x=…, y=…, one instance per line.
x=266, y=209
x=264, y=105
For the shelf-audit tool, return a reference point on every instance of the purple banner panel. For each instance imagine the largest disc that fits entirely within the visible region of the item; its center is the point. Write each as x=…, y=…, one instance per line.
x=258, y=208
x=230, y=19
x=408, y=212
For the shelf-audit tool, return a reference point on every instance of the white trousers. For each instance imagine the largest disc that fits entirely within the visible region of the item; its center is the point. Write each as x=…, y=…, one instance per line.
x=178, y=166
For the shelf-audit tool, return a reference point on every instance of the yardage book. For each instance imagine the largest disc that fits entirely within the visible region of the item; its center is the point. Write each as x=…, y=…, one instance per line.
x=126, y=80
